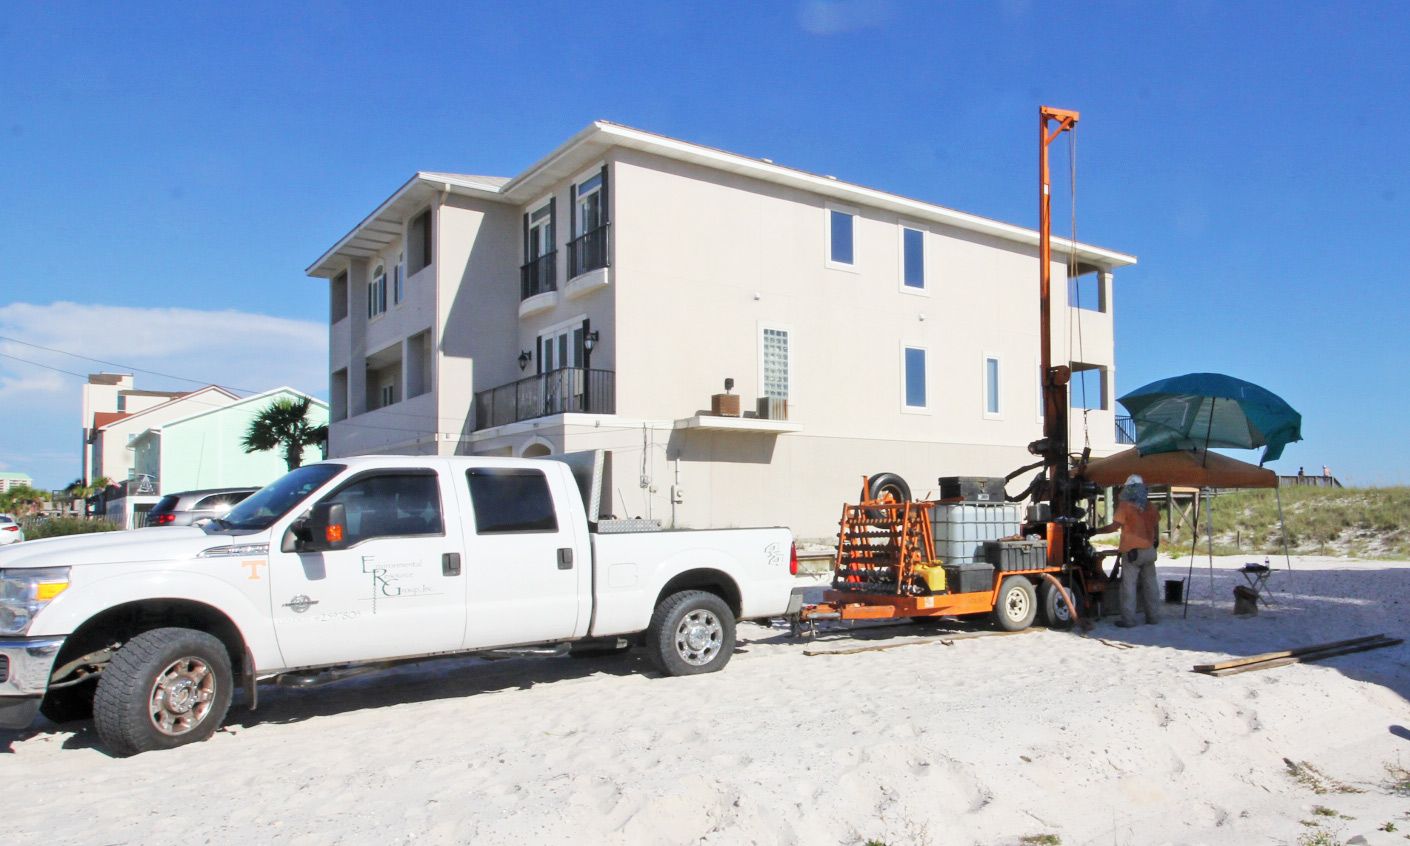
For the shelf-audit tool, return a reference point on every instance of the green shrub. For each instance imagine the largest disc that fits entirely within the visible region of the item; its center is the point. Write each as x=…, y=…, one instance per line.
x=55, y=527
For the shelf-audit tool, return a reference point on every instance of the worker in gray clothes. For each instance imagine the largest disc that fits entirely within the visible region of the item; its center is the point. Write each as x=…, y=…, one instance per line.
x=1139, y=522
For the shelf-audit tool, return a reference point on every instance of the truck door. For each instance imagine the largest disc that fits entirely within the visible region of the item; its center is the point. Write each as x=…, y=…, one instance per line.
x=524, y=568
x=396, y=590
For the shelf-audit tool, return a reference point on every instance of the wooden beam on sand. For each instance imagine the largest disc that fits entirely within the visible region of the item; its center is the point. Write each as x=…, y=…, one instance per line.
x=947, y=640
x=1268, y=656
x=1296, y=656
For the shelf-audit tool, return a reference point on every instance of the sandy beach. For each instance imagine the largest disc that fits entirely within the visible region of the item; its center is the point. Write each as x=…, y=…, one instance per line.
x=1103, y=739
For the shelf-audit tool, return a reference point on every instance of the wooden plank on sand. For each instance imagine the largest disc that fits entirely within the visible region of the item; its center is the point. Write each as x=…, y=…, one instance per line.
x=1312, y=656
x=1268, y=656
x=945, y=640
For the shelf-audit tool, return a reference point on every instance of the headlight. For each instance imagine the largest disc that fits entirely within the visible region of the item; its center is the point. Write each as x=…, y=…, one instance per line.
x=24, y=592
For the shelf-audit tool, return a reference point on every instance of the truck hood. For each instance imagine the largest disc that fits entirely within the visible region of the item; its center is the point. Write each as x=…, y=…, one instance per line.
x=156, y=544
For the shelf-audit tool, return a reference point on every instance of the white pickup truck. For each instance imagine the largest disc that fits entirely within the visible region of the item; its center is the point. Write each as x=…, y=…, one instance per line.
x=355, y=562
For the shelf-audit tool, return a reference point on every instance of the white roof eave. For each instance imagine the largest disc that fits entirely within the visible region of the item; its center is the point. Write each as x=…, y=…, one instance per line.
x=592, y=143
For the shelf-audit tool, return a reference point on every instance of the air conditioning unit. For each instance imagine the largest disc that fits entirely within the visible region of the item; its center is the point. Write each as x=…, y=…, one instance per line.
x=773, y=408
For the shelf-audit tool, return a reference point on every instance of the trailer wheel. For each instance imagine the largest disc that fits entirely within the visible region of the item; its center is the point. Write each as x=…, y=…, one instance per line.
x=691, y=632
x=1017, y=605
x=164, y=688
x=1055, y=614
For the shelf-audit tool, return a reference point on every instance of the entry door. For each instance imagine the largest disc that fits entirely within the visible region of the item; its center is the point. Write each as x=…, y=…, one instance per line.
x=560, y=352
x=392, y=592
x=528, y=581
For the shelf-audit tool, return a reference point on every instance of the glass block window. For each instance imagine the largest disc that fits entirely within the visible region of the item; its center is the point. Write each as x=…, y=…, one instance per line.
x=775, y=358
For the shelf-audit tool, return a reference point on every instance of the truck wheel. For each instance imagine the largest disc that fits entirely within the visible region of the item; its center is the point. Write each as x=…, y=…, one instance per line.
x=1017, y=604
x=1055, y=614
x=691, y=632
x=68, y=704
x=164, y=688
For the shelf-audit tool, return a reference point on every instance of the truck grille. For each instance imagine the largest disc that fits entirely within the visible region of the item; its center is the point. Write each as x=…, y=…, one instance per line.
x=4, y=668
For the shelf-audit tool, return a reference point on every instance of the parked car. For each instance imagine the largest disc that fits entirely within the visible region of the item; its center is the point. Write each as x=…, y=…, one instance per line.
x=191, y=507
x=348, y=565
x=10, y=531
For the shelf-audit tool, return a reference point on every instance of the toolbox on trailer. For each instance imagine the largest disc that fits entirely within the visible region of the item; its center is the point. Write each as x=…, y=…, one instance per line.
x=1008, y=556
x=970, y=577
x=972, y=488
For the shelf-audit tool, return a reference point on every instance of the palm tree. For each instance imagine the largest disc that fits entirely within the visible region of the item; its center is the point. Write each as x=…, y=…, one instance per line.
x=78, y=490
x=285, y=425
x=21, y=499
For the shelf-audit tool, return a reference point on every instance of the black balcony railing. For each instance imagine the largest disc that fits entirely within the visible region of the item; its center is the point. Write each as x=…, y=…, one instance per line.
x=561, y=391
x=588, y=252
x=538, y=276
x=1125, y=431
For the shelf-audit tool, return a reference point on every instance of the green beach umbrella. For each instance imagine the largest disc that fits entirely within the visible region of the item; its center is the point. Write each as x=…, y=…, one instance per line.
x=1203, y=410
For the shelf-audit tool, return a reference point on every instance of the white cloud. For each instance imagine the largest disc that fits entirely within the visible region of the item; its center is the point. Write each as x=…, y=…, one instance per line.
x=40, y=427
x=833, y=17
x=232, y=348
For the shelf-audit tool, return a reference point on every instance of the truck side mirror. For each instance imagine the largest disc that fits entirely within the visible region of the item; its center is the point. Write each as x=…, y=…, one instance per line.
x=326, y=527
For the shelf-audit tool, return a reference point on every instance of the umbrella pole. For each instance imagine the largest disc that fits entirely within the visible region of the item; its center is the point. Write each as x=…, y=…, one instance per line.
x=1210, y=547
x=1283, y=527
x=1208, y=430
x=1194, y=546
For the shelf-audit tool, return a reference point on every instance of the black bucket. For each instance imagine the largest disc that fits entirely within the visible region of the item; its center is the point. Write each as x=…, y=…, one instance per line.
x=1174, y=591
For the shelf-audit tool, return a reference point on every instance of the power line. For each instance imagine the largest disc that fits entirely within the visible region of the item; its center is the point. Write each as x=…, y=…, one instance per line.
x=116, y=364
x=45, y=366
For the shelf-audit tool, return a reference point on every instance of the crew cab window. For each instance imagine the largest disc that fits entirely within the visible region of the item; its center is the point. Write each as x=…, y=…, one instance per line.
x=391, y=505
x=511, y=499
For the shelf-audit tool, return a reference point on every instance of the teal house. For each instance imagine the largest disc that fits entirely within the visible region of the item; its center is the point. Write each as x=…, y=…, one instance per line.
x=204, y=450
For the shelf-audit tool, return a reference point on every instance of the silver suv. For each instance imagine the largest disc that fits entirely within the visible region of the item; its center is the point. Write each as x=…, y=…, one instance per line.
x=191, y=508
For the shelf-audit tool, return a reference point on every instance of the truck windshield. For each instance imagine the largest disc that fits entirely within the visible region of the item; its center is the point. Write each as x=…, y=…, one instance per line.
x=274, y=501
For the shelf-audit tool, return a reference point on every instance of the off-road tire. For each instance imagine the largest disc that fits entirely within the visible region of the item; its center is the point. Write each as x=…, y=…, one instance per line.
x=1051, y=609
x=691, y=632
x=69, y=704
x=1017, y=604
x=123, y=710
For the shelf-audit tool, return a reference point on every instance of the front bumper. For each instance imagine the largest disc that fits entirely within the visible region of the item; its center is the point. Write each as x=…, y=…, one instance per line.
x=25, y=665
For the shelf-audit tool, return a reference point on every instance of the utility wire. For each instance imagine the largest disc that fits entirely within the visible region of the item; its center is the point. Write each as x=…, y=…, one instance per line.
x=116, y=364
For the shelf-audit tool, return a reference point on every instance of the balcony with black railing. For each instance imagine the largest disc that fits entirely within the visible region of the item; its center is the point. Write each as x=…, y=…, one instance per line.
x=567, y=390
x=539, y=276
x=588, y=251
x=1125, y=431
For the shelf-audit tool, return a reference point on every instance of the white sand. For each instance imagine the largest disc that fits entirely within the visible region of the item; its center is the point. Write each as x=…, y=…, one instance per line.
x=985, y=741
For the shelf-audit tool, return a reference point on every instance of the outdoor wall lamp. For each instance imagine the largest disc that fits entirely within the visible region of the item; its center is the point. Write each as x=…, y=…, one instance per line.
x=524, y=358
x=590, y=340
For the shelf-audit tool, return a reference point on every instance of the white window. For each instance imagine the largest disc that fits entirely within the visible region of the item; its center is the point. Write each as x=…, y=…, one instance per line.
x=587, y=201
x=992, y=408
x=912, y=259
x=386, y=396
x=399, y=280
x=561, y=346
x=540, y=233
x=774, y=376
x=913, y=382
x=377, y=292
x=841, y=241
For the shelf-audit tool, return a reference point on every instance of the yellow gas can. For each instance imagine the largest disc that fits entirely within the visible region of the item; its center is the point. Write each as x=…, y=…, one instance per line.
x=934, y=576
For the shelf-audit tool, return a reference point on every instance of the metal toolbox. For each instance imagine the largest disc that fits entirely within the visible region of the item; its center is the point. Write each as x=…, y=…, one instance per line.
x=1016, y=555
x=972, y=488
x=972, y=577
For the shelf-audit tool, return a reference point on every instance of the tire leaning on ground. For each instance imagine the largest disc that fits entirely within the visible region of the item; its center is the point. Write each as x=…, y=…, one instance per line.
x=164, y=688
x=1052, y=610
x=1017, y=605
x=691, y=632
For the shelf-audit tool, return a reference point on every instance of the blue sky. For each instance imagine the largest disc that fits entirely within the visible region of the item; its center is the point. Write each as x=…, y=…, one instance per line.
x=169, y=172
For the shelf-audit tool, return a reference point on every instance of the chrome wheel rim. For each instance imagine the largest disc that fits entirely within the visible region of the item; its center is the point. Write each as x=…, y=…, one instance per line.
x=699, y=637
x=182, y=696
x=1016, y=604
